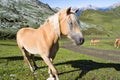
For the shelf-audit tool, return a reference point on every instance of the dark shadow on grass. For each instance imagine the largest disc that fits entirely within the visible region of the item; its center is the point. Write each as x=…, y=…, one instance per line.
x=13, y=58
x=84, y=66
x=3, y=44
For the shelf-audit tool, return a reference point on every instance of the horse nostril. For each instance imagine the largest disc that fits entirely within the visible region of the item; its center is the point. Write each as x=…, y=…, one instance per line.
x=82, y=41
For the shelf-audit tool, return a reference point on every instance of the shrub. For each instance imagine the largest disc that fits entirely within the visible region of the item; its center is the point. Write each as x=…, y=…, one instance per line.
x=8, y=34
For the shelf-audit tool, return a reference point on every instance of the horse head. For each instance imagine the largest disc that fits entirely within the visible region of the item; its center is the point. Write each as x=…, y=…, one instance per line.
x=70, y=25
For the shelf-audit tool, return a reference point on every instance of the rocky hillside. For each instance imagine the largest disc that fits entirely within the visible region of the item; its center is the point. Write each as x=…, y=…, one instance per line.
x=15, y=14
x=19, y=13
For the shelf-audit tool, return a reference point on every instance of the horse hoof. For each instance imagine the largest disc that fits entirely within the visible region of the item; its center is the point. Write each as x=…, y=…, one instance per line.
x=36, y=68
x=50, y=78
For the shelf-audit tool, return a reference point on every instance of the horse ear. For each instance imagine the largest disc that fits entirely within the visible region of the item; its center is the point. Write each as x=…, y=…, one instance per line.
x=76, y=10
x=68, y=10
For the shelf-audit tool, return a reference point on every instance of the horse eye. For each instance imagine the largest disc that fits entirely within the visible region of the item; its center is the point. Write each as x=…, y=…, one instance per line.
x=71, y=23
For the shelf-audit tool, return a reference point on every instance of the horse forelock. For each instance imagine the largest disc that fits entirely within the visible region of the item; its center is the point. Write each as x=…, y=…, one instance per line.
x=75, y=19
x=54, y=22
x=73, y=24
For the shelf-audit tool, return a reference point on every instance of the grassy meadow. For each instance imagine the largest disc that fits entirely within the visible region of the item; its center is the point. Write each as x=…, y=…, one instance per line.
x=104, y=44
x=71, y=65
x=109, y=21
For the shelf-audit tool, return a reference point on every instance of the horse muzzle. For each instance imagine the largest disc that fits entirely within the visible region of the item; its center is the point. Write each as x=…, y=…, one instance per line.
x=78, y=39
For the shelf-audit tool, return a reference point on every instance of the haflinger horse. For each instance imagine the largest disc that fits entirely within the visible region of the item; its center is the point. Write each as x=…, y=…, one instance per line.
x=117, y=43
x=94, y=41
x=44, y=40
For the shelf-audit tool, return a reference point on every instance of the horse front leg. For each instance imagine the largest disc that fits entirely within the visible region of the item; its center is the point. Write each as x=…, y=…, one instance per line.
x=52, y=69
x=51, y=77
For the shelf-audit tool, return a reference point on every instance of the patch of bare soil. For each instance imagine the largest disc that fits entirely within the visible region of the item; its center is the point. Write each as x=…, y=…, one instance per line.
x=111, y=55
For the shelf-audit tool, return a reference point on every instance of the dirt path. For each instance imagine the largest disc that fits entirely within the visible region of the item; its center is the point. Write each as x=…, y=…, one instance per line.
x=111, y=55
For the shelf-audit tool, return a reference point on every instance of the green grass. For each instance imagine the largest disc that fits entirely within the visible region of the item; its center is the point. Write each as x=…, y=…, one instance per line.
x=104, y=44
x=71, y=65
x=109, y=20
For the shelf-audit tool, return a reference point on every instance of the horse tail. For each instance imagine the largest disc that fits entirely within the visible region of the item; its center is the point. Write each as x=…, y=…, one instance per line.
x=116, y=43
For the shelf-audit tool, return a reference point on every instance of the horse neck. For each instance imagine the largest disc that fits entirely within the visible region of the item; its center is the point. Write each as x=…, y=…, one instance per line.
x=49, y=32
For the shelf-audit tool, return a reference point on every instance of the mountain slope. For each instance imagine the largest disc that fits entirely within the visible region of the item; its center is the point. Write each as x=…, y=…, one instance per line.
x=109, y=21
x=15, y=14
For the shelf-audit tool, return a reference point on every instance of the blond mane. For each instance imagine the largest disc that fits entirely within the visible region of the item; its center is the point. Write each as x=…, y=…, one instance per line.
x=54, y=21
